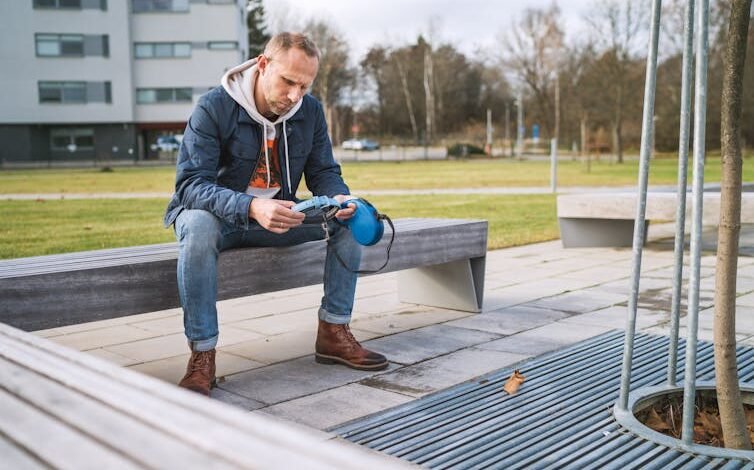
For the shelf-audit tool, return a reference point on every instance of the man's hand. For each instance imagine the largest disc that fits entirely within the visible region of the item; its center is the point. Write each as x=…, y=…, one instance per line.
x=275, y=215
x=347, y=213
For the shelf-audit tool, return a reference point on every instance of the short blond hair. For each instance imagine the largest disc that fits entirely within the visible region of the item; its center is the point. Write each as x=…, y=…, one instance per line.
x=282, y=42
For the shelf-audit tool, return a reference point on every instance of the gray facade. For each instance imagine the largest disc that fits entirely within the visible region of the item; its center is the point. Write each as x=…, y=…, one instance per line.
x=99, y=80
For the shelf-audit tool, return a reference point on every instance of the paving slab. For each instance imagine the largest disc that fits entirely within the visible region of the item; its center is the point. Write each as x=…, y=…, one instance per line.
x=166, y=325
x=510, y=320
x=615, y=317
x=704, y=334
x=579, y=301
x=101, y=337
x=163, y=347
x=235, y=400
x=563, y=332
x=330, y=408
x=425, y=343
x=746, y=300
x=407, y=319
x=495, y=299
x=270, y=325
x=96, y=325
x=291, y=379
x=525, y=346
x=435, y=374
x=597, y=274
x=112, y=357
x=266, y=306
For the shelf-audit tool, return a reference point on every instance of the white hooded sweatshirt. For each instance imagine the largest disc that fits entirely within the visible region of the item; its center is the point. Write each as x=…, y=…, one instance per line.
x=239, y=83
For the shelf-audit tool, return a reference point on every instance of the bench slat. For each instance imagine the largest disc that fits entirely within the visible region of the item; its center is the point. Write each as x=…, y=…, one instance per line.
x=27, y=426
x=14, y=457
x=41, y=297
x=79, y=411
x=247, y=440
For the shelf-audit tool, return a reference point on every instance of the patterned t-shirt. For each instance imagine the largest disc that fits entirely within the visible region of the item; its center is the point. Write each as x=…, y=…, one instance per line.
x=258, y=185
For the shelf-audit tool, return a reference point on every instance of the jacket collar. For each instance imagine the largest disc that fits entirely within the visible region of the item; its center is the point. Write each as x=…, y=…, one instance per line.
x=244, y=118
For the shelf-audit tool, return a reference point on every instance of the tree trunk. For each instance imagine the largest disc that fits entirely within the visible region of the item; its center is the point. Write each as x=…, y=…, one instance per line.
x=407, y=96
x=618, y=125
x=728, y=393
x=428, y=95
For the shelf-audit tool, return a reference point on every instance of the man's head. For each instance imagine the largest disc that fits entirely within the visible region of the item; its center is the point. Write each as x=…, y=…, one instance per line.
x=287, y=69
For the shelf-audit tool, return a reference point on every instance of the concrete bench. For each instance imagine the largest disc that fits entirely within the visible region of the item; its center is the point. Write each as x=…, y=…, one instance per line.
x=441, y=263
x=60, y=408
x=607, y=219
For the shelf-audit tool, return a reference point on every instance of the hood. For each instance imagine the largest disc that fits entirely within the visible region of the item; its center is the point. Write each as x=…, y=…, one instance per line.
x=239, y=82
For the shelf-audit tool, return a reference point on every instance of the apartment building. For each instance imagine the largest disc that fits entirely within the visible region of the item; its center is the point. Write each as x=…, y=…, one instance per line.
x=102, y=80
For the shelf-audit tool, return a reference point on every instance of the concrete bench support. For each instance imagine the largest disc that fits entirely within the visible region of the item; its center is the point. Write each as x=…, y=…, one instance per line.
x=607, y=219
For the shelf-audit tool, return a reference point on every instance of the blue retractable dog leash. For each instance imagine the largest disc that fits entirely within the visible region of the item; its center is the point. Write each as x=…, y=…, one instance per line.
x=366, y=224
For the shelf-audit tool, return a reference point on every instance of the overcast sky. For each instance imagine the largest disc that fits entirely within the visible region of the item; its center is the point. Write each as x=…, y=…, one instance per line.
x=470, y=24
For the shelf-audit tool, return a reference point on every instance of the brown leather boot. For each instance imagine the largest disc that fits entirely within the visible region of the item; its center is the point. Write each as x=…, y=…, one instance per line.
x=336, y=344
x=200, y=372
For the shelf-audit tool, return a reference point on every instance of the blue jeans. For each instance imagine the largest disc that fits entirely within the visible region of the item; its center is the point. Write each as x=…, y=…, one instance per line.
x=202, y=236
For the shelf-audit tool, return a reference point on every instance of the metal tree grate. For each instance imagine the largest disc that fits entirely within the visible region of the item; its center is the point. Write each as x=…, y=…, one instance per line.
x=560, y=418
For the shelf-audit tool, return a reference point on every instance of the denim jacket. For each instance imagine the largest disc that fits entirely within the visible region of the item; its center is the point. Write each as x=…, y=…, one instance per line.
x=220, y=149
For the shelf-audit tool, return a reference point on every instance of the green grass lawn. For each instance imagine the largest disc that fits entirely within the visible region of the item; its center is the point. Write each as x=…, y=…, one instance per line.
x=31, y=228
x=476, y=173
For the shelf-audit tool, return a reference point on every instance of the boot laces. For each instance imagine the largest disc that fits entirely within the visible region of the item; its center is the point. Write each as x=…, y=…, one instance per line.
x=201, y=361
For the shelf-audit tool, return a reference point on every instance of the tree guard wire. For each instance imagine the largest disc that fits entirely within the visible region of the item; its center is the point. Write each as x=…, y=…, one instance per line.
x=700, y=117
x=641, y=206
x=680, y=218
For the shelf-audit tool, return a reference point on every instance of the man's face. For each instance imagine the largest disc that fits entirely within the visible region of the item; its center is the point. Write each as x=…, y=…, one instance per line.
x=284, y=79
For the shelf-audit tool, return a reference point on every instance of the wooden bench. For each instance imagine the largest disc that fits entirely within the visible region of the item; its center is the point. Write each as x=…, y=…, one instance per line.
x=60, y=408
x=607, y=219
x=441, y=263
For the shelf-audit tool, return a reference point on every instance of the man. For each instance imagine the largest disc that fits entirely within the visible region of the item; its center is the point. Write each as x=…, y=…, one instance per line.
x=245, y=149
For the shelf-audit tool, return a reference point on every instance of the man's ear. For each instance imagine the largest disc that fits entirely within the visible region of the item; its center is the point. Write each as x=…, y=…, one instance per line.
x=262, y=63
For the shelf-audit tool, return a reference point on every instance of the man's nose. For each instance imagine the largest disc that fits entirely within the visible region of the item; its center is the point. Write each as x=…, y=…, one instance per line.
x=294, y=94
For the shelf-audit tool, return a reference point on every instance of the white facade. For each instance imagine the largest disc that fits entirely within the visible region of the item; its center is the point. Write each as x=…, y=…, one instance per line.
x=100, y=78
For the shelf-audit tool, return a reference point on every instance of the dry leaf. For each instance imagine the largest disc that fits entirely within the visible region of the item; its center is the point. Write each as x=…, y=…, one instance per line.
x=655, y=421
x=710, y=423
x=749, y=416
x=515, y=381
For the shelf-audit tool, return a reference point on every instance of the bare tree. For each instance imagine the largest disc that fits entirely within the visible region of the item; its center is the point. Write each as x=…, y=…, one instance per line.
x=334, y=76
x=732, y=414
x=618, y=26
x=531, y=50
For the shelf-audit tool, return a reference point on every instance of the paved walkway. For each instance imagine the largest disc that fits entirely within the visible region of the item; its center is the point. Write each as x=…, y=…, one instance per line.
x=538, y=298
x=365, y=192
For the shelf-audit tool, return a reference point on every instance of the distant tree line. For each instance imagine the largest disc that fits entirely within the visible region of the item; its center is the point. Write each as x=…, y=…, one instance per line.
x=586, y=90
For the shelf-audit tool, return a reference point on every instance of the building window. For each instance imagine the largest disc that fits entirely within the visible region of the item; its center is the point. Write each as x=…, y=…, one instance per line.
x=57, y=3
x=222, y=45
x=75, y=92
x=146, y=6
x=149, y=50
x=71, y=4
x=163, y=95
x=72, y=140
x=60, y=45
x=62, y=92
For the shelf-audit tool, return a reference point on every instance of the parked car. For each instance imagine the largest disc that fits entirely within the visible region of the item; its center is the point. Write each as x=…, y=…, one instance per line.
x=360, y=144
x=168, y=143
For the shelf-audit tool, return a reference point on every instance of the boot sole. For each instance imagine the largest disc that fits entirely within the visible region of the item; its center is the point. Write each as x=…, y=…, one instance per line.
x=324, y=359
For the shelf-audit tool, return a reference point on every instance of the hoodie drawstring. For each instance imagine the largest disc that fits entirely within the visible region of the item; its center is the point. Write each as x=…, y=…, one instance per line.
x=266, y=155
x=287, y=164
